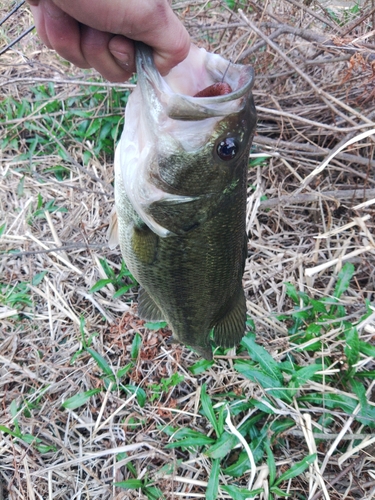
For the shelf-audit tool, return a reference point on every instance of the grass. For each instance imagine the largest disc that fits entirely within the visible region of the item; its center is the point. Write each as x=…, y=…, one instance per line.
x=94, y=402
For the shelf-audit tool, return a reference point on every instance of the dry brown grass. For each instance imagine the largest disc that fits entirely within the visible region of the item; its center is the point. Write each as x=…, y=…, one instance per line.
x=314, y=93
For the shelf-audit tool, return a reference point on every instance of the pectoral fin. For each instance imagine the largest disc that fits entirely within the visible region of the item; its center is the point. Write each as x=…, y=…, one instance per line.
x=145, y=244
x=147, y=308
x=230, y=329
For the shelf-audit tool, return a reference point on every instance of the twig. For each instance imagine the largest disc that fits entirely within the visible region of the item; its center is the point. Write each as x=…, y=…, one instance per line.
x=72, y=246
x=13, y=42
x=321, y=41
x=95, y=303
x=317, y=269
x=338, y=477
x=334, y=153
x=316, y=151
x=327, y=98
x=316, y=15
x=301, y=119
x=357, y=22
x=11, y=12
x=68, y=81
x=327, y=437
x=290, y=199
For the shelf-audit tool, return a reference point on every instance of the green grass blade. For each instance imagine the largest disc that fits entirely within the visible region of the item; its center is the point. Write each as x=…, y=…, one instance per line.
x=343, y=279
x=5, y=430
x=208, y=410
x=191, y=441
x=352, y=346
x=101, y=362
x=123, y=371
x=240, y=467
x=240, y=493
x=122, y=290
x=366, y=348
x=130, y=484
x=79, y=399
x=271, y=464
x=306, y=373
x=138, y=391
x=155, y=325
x=261, y=356
x=359, y=390
x=99, y=285
x=201, y=366
x=38, y=278
x=222, y=446
x=291, y=292
x=265, y=380
x=136, y=346
x=213, y=482
x=153, y=493
x=296, y=469
x=108, y=271
x=279, y=492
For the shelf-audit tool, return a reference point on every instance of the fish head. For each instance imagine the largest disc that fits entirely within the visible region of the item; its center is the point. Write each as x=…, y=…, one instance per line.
x=182, y=152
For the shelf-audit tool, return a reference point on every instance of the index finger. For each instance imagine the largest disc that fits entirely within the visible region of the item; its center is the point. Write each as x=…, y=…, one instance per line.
x=150, y=21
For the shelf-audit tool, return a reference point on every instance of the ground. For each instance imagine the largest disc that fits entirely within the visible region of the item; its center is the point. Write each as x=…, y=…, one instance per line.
x=96, y=404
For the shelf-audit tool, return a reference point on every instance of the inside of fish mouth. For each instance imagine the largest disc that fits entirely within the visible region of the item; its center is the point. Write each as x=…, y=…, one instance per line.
x=214, y=90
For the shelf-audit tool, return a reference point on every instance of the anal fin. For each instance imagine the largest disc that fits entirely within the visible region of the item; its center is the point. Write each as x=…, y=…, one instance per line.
x=229, y=331
x=147, y=308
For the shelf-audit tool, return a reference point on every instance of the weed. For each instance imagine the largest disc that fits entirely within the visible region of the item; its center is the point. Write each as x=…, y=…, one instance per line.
x=25, y=437
x=120, y=281
x=261, y=428
x=151, y=491
x=220, y=446
x=57, y=118
x=165, y=385
x=16, y=296
x=45, y=206
x=111, y=380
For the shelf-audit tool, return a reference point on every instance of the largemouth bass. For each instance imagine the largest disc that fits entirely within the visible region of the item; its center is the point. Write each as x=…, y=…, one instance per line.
x=180, y=189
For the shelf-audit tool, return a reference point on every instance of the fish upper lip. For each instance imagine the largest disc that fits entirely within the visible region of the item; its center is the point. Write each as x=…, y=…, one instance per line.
x=146, y=68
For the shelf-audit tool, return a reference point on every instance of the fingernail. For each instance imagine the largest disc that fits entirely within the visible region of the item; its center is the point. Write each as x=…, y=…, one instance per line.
x=122, y=58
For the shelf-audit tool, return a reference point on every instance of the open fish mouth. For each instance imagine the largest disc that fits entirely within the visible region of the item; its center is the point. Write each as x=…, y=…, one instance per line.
x=179, y=92
x=174, y=116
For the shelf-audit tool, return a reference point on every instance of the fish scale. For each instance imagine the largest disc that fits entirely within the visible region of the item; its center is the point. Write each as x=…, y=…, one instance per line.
x=181, y=207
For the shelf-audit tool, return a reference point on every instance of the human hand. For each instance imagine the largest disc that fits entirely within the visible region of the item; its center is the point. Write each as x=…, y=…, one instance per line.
x=100, y=33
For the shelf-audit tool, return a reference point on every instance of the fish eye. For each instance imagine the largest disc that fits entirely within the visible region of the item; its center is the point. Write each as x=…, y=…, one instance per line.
x=227, y=149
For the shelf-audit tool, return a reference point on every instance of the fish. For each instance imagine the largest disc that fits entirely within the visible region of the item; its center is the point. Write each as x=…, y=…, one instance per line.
x=180, y=195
